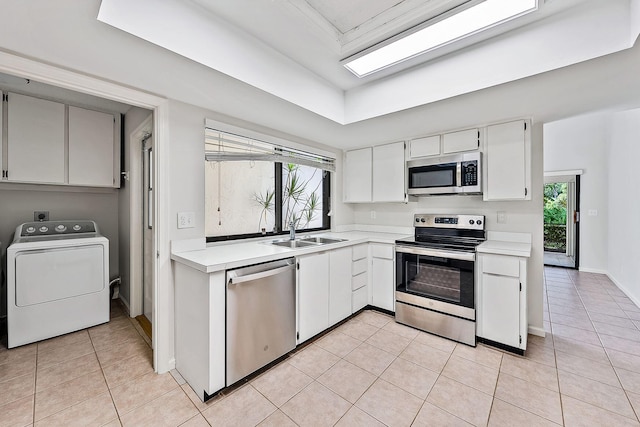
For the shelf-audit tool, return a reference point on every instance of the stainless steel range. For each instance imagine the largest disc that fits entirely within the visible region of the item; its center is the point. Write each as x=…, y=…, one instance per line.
x=435, y=275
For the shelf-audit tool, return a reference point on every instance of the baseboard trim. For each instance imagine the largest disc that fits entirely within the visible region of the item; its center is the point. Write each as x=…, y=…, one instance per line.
x=539, y=332
x=624, y=289
x=593, y=270
x=125, y=303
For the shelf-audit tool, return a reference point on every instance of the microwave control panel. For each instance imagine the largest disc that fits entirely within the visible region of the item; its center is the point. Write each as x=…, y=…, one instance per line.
x=469, y=173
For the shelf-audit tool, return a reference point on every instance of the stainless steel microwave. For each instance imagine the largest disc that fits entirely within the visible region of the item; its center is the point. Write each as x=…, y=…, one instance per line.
x=454, y=174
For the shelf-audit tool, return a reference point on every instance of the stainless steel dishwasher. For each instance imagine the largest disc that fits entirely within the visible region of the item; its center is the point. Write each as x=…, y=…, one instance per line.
x=261, y=316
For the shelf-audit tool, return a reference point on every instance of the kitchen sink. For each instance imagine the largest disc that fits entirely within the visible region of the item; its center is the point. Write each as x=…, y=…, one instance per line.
x=292, y=243
x=304, y=242
x=321, y=240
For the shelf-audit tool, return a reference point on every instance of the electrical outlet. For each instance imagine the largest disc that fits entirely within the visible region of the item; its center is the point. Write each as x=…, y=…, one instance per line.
x=373, y=214
x=41, y=215
x=502, y=217
x=593, y=212
x=186, y=220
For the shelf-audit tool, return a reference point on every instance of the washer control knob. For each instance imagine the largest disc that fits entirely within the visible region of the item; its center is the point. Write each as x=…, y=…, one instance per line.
x=471, y=222
x=77, y=227
x=44, y=229
x=60, y=228
x=31, y=229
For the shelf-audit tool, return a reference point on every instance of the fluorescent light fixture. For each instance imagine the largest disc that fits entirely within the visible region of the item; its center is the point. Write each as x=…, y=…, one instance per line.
x=470, y=21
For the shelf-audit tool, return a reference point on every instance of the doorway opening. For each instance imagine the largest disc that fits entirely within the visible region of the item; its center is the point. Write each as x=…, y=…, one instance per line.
x=141, y=198
x=561, y=220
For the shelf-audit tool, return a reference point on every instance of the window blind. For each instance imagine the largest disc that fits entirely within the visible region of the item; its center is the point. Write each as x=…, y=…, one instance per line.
x=223, y=147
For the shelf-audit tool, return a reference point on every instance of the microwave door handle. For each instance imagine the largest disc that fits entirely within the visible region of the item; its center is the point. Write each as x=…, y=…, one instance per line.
x=458, y=174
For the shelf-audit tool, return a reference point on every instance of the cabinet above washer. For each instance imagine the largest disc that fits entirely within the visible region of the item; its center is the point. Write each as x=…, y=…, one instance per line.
x=48, y=142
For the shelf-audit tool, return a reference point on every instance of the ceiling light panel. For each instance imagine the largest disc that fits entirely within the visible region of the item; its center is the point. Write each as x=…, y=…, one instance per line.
x=467, y=22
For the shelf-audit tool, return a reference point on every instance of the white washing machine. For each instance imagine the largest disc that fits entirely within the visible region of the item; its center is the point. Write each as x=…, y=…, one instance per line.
x=57, y=280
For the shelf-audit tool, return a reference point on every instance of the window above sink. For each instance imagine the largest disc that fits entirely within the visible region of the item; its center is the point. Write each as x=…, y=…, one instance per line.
x=255, y=188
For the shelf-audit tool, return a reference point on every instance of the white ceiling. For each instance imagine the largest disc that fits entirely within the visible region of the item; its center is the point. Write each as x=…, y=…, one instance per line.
x=292, y=48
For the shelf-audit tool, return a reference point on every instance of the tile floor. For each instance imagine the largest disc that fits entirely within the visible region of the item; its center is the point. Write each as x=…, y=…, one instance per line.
x=558, y=259
x=369, y=371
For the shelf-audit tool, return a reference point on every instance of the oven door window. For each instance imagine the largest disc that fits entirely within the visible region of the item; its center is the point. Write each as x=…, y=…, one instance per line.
x=443, y=175
x=438, y=278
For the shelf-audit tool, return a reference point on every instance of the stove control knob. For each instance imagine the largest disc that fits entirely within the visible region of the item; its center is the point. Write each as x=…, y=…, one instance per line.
x=417, y=219
x=76, y=227
x=60, y=228
x=471, y=222
x=479, y=222
x=44, y=229
x=31, y=229
x=422, y=220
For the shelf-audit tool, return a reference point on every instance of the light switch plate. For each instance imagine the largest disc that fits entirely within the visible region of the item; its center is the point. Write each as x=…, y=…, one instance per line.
x=186, y=220
x=593, y=212
x=502, y=217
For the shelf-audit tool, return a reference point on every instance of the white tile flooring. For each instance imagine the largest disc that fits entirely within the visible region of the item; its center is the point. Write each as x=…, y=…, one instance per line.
x=369, y=371
x=558, y=259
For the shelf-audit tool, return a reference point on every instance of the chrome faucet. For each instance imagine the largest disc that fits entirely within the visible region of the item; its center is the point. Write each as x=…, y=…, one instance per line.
x=292, y=231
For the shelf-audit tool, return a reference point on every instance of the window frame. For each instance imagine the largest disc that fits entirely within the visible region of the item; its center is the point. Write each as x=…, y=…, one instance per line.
x=279, y=231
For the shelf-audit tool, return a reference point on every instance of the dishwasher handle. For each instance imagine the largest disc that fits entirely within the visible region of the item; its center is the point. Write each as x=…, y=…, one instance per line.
x=260, y=275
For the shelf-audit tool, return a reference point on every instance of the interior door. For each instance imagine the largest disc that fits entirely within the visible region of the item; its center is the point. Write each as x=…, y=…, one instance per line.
x=147, y=231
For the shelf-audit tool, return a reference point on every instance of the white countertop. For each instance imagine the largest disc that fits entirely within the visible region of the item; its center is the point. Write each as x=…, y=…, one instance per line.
x=225, y=256
x=500, y=247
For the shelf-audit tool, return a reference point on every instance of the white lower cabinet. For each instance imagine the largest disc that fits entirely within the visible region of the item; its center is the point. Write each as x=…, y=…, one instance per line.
x=313, y=295
x=502, y=301
x=359, y=277
x=339, y=285
x=200, y=328
x=382, y=275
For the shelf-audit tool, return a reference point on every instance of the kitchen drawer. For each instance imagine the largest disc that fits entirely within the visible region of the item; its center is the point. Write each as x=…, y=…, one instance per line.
x=501, y=265
x=359, y=252
x=359, y=266
x=358, y=281
x=359, y=299
x=382, y=251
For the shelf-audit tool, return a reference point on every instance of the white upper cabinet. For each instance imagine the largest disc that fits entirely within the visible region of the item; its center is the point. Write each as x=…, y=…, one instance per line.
x=389, y=173
x=91, y=148
x=35, y=140
x=424, y=147
x=51, y=143
x=507, y=162
x=464, y=140
x=357, y=176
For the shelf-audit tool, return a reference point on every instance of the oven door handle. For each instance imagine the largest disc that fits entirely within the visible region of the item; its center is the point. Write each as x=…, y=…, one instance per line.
x=463, y=256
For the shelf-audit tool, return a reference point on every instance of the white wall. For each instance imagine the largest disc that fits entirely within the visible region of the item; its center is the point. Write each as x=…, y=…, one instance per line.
x=624, y=203
x=581, y=143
